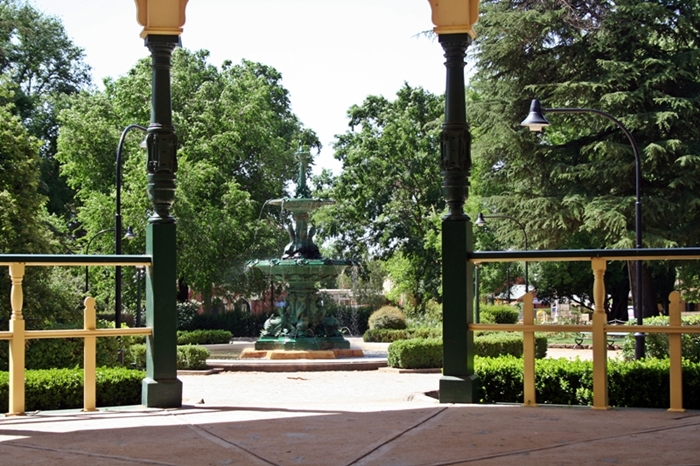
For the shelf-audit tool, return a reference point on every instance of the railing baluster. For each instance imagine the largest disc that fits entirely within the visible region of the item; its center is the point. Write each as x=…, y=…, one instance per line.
x=16, y=402
x=90, y=357
x=600, y=347
x=529, y=352
x=675, y=353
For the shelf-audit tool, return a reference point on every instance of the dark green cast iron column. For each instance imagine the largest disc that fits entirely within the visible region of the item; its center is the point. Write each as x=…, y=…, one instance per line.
x=161, y=387
x=458, y=383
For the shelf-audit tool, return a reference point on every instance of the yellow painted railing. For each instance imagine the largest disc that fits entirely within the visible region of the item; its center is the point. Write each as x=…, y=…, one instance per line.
x=599, y=329
x=17, y=335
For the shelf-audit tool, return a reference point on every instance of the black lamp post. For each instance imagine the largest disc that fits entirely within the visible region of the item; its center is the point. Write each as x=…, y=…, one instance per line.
x=129, y=234
x=140, y=270
x=118, y=227
x=481, y=222
x=536, y=121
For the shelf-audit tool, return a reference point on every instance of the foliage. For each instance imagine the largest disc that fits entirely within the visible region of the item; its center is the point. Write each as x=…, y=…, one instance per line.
x=189, y=357
x=388, y=317
x=419, y=352
x=43, y=65
x=186, y=312
x=388, y=196
x=574, y=187
x=64, y=352
x=239, y=323
x=415, y=354
x=203, y=337
x=498, y=314
x=384, y=335
x=237, y=137
x=570, y=382
x=499, y=343
x=656, y=344
x=53, y=389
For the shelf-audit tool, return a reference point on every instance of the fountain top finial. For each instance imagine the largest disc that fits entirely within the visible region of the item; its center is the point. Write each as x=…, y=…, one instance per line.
x=304, y=157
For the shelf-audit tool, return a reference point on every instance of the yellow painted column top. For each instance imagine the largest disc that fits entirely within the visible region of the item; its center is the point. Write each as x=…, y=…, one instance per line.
x=455, y=16
x=162, y=17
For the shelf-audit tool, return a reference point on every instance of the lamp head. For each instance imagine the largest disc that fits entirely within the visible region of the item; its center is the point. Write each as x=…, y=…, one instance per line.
x=480, y=220
x=535, y=120
x=129, y=233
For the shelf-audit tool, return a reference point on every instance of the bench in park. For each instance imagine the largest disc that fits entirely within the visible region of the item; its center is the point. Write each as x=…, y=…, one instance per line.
x=612, y=338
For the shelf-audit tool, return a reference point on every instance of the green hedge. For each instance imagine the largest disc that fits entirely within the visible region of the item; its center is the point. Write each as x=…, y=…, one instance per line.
x=656, y=344
x=385, y=335
x=240, y=324
x=189, y=357
x=203, y=337
x=64, y=352
x=421, y=353
x=418, y=353
x=498, y=314
x=63, y=388
x=640, y=384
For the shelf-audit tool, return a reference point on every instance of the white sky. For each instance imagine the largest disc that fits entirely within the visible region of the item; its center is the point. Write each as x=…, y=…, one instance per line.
x=331, y=53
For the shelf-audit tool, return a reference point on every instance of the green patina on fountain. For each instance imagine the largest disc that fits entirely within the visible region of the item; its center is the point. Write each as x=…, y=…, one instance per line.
x=303, y=323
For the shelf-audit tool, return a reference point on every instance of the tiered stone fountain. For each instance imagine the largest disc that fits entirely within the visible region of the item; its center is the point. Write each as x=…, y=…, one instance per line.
x=302, y=327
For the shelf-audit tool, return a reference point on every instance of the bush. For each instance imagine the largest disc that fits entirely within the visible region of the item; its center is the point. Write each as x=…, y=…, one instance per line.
x=639, y=384
x=189, y=357
x=59, y=353
x=387, y=317
x=203, y=337
x=423, y=352
x=63, y=388
x=499, y=344
x=498, y=314
x=384, y=335
x=186, y=312
x=656, y=344
x=239, y=323
x=415, y=354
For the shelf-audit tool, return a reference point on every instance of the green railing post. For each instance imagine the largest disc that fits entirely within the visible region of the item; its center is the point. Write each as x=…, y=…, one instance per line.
x=458, y=383
x=161, y=387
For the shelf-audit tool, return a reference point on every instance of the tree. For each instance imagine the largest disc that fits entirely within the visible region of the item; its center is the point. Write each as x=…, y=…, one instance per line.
x=237, y=138
x=636, y=60
x=22, y=222
x=44, y=64
x=388, y=196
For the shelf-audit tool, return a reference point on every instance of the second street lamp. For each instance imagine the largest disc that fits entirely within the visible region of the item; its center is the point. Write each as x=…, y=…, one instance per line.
x=128, y=234
x=118, y=226
x=536, y=121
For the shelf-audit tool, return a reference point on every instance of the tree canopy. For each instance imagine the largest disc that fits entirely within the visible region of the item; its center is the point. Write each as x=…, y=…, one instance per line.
x=638, y=61
x=237, y=138
x=388, y=196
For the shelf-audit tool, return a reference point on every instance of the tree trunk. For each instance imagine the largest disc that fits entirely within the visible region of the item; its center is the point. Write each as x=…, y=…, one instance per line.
x=650, y=307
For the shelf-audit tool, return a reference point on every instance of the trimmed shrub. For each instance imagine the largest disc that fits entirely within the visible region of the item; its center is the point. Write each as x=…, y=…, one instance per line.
x=570, y=382
x=500, y=343
x=203, y=337
x=192, y=357
x=415, y=354
x=63, y=388
x=656, y=344
x=498, y=314
x=384, y=335
x=387, y=317
x=189, y=357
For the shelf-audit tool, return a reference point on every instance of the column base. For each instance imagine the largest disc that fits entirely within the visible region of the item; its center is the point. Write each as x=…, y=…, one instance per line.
x=161, y=393
x=459, y=389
